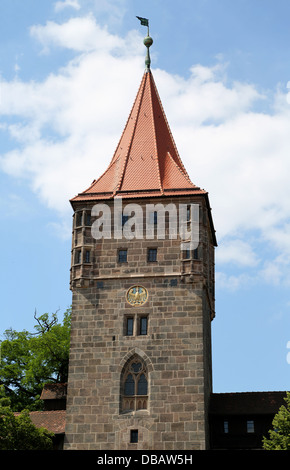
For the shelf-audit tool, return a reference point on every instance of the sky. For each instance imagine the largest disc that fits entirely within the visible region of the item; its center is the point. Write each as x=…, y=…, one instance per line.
x=69, y=73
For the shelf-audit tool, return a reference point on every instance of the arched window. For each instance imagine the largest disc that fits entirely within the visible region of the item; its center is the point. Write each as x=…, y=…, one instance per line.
x=134, y=385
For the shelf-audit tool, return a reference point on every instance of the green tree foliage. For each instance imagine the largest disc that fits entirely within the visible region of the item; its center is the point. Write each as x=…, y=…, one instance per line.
x=17, y=432
x=30, y=360
x=279, y=436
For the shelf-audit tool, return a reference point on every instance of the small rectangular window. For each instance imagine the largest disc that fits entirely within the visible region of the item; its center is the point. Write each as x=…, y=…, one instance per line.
x=186, y=253
x=79, y=219
x=122, y=256
x=152, y=254
x=250, y=426
x=88, y=219
x=134, y=436
x=153, y=218
x=87, y=256
x=226, y=427
x=78, y=258
x=143, y=325
x=124, y=219
x=195, y=253
x=129, y=326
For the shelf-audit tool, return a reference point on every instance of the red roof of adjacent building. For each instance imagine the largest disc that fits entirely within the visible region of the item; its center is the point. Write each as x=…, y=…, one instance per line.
x=146, y=161
x=53, y=420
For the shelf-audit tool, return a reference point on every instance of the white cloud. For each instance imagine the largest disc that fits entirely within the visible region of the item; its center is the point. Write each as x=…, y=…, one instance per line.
x=237, y=252
x=278, y=237
x=204, y=98
x=62, y=229
x=66, y=129
x=232, y=282
x=79, y=34
x=277, y=271
x=59, y=6
x=14, y=206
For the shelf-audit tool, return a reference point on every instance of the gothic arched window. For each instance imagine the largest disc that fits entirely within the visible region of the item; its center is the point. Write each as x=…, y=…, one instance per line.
x=134, y=385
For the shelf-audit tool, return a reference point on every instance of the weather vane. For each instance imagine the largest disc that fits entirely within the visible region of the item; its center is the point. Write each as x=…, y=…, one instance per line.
x=148, y=41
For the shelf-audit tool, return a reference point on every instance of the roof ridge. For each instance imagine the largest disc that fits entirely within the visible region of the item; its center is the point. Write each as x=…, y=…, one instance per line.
x=168, y=127
x=155, y=134
x=181, y=170
x=127, y=122
x=141, y=93
x=44, y=412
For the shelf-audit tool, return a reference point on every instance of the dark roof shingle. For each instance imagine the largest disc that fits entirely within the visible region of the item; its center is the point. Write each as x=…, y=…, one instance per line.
x=246, y=403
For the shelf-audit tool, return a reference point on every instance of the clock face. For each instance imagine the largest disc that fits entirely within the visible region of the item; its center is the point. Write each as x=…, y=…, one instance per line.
x=137, y=295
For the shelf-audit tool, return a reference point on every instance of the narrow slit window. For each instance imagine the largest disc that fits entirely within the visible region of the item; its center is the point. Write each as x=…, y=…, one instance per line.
x=134, y=436
x=78, y=258
x=153, y=217
x=125, y=218
x=88, y=219
x=250, y=426
x=79, y=219
x=129, y=326
x=143, y=325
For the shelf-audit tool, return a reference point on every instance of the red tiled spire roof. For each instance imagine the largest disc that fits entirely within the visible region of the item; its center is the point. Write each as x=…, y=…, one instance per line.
x=146, y=161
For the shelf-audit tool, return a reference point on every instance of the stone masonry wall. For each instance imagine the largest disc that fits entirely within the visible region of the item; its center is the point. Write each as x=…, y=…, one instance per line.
x=176, y=349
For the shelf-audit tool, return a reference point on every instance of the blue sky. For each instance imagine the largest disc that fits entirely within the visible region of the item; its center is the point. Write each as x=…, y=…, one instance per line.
x=69, y=71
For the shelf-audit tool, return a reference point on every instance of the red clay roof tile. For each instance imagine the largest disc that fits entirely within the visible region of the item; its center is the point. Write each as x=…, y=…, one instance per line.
x=53, y=421
x=54, y=391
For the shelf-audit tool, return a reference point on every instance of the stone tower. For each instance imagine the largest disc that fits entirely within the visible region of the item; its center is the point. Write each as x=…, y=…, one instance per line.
x=143, y=296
